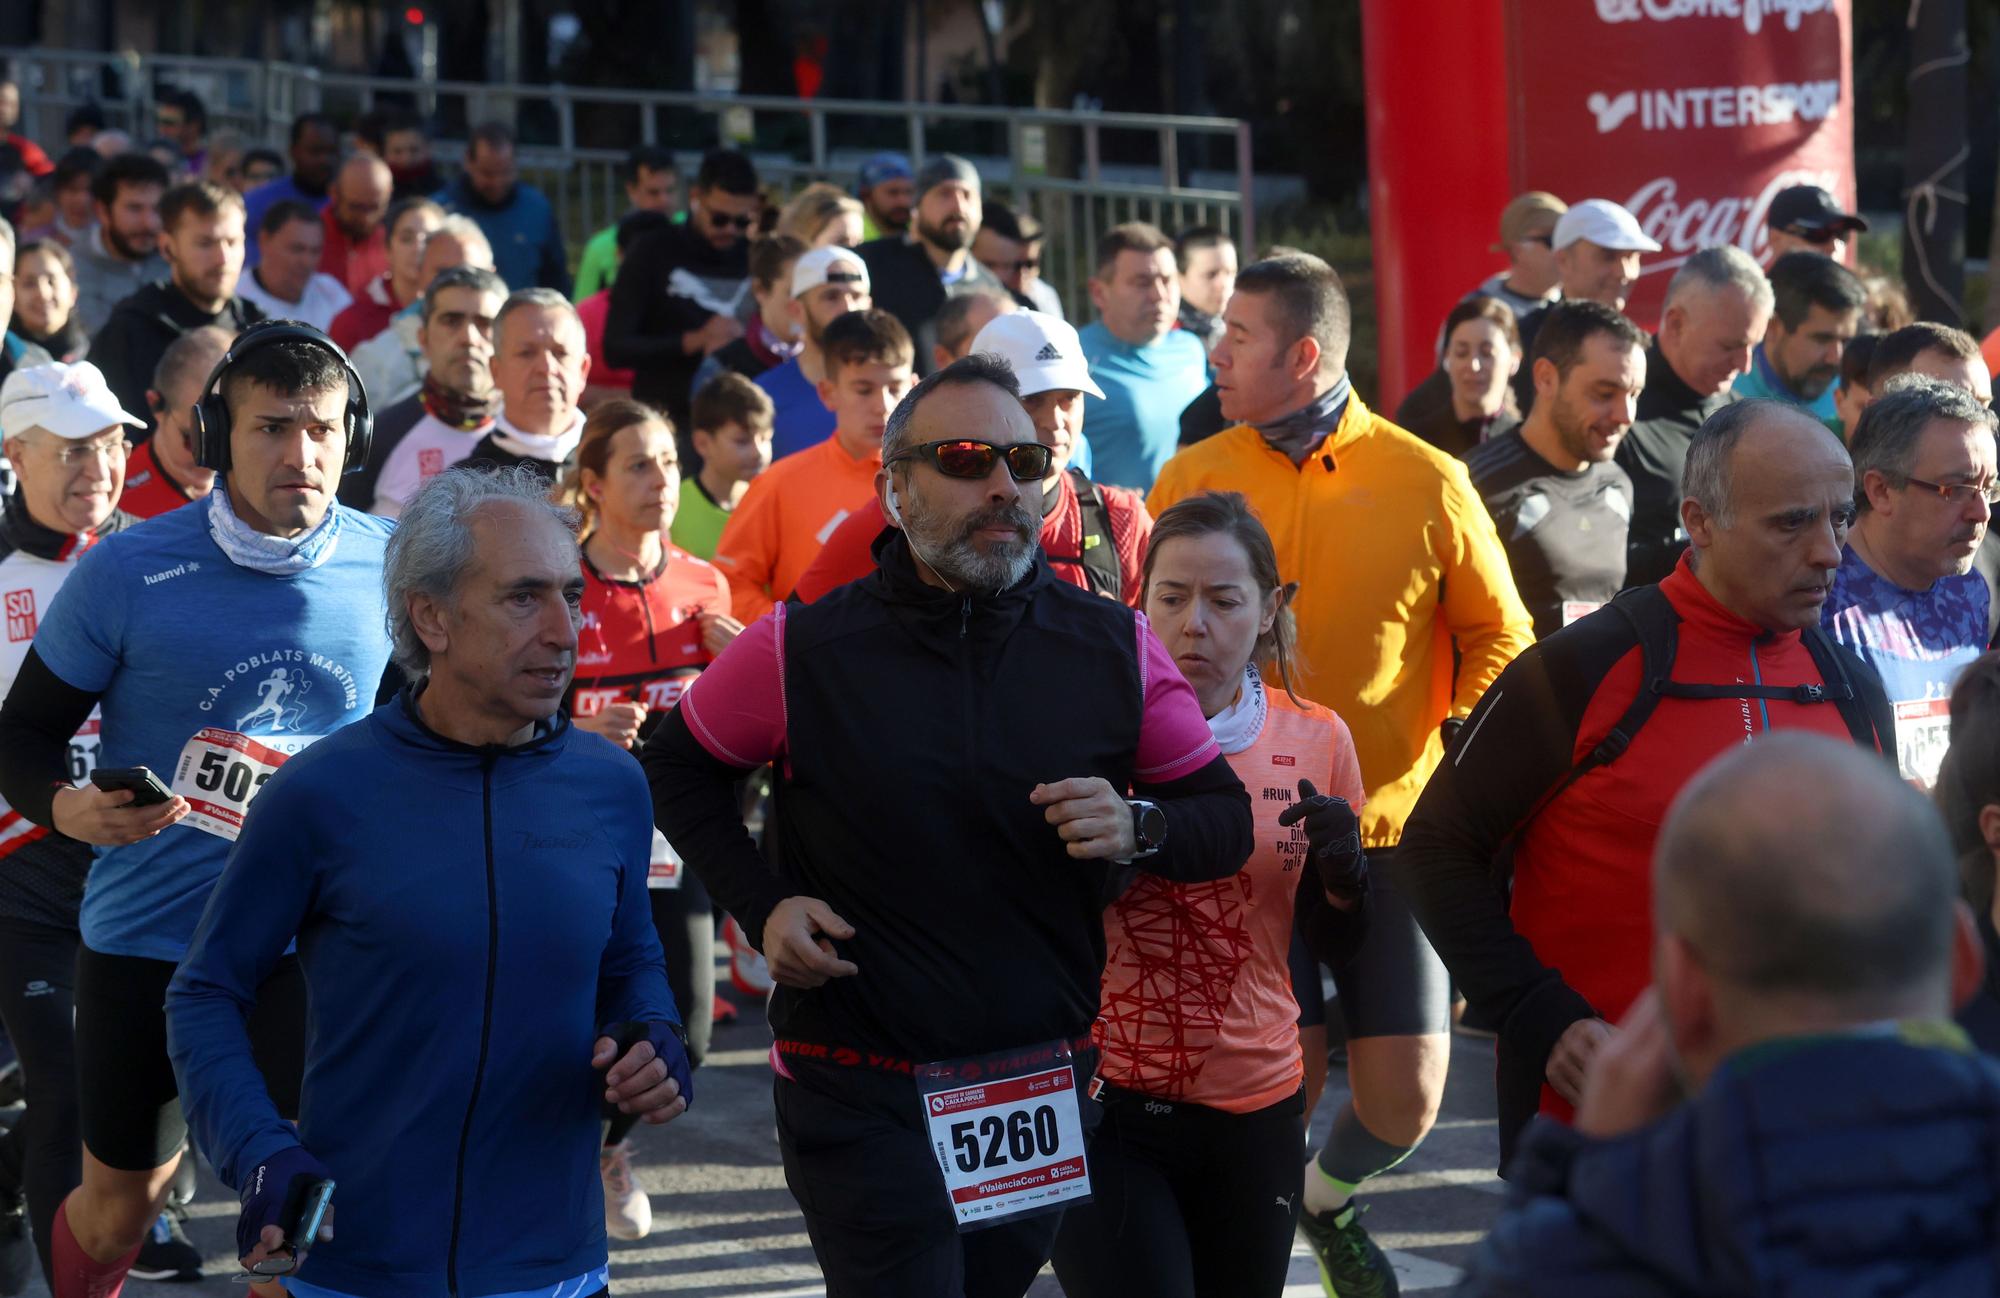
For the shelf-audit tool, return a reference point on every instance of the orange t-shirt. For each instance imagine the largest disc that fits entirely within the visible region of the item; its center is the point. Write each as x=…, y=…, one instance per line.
x=1197, y=1001
x=791, y=508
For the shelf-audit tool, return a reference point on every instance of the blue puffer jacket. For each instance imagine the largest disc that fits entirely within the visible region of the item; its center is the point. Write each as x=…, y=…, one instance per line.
x=1839, y=1168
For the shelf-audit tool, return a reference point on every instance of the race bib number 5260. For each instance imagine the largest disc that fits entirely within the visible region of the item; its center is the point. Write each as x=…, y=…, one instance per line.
x=219, y=773
x=1010, y=1145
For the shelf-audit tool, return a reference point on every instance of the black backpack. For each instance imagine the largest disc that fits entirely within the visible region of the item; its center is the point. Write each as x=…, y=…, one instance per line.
x=1099, y=559
x=1655, y=626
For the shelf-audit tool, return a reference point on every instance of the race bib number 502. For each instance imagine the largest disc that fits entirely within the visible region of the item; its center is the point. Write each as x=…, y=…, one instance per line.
x=220, y=772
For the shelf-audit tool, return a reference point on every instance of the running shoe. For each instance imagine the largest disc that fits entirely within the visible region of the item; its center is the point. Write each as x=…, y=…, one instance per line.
x=17, y=1251
x=628, y=1213
x=747, y=971
x=166, y=1253
x=723, y=1009
x=1351, y=1265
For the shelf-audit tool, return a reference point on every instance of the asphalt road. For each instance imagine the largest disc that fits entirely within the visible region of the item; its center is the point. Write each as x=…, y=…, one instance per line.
x=725, y=1225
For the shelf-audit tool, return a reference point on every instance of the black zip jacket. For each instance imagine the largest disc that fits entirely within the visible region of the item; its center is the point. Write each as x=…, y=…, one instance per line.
x=915, y=724
x=141, y=328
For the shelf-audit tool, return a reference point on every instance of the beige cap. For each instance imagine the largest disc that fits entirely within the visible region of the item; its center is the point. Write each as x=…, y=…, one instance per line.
x=1524, y=213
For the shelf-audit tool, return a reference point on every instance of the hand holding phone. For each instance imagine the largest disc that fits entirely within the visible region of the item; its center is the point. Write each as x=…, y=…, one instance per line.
x=117, y=807
x=287, y=1208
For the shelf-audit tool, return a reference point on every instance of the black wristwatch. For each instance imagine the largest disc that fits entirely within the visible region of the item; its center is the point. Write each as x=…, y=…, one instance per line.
x=1149, y=827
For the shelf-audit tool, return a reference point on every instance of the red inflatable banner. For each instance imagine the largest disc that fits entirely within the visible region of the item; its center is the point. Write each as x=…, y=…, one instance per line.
x=1691, y=113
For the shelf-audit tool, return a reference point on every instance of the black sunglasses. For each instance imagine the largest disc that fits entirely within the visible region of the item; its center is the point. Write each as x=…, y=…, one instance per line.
x=1822, y=237
x=965, y=458
x=722, y=221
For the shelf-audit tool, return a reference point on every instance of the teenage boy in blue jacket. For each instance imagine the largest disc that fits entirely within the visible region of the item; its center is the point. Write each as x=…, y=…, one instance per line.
x=465, y=875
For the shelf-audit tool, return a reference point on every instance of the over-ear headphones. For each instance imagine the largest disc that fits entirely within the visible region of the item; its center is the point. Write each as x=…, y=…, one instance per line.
x=211, y=412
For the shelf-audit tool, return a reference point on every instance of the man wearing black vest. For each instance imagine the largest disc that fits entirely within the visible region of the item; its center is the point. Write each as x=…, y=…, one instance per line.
x=1726, y=649
x=935, y=918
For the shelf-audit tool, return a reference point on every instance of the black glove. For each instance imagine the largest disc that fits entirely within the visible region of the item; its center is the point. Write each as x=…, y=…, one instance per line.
x=1334, y=833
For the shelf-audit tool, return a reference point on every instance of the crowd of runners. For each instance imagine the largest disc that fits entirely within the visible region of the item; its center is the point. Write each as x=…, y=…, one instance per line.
x=422, y=671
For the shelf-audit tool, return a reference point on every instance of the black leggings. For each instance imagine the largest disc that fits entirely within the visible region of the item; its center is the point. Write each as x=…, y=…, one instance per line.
x=1187, y=1202
x=685, y=920
x=37, y=1003
x=1395, y=986
x=129, y=1105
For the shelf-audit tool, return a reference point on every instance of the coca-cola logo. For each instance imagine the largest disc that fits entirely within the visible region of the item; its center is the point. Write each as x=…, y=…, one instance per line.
x=1685, y=228
x=1751, y=13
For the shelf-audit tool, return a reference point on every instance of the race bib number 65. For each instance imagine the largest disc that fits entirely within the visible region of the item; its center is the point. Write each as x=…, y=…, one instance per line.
x=219, y=773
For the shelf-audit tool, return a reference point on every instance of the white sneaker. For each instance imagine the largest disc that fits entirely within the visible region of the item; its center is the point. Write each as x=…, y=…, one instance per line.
x=628, y=1213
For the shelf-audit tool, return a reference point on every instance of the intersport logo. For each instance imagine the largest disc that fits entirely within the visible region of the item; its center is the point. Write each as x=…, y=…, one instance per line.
x=1728, y=107
x=1684, y=227
x=1751, y=13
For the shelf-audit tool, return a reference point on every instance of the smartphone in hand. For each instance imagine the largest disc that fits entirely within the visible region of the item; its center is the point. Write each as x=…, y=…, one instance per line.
x=145, y=786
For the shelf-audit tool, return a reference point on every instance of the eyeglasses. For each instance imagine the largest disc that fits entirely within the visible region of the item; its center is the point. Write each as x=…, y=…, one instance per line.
x=966, y=458
x=723, y=220
x=1960, y=493
x=1018, y=267
x=1820, y=237
x=77, y=454
x=1546, y=240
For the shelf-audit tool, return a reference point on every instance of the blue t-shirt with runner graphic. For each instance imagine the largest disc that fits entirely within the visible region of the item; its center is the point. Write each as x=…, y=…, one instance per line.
x=211, y=675
x=1918, y=641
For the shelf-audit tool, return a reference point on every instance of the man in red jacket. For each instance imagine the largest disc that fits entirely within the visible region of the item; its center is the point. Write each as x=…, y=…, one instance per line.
x=1558, y=767
x=1095, y=536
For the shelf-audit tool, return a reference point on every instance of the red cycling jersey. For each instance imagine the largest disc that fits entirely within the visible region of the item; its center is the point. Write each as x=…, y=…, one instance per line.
x=641, y=640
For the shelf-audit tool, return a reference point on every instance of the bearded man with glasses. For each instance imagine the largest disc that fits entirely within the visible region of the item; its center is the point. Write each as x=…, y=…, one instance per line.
x=683, y=292
x=972, y=754
x=1905, y=598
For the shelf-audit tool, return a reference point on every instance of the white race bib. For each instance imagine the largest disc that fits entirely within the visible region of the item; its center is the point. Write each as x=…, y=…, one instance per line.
x=219, y=773
x=665, y=871
x=1575, y=610
x=1923, y=732
x=1010, y=1144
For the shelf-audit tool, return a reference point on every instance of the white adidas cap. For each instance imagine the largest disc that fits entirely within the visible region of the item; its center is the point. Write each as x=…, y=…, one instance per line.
x=1605, y=224
x=1043, y=349
x=71, y=401
x=832, y=264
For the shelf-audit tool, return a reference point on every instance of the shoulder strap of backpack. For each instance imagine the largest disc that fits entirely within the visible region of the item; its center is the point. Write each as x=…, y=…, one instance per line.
x=1866, y=711
x=1655, y=626
x=1099, y=556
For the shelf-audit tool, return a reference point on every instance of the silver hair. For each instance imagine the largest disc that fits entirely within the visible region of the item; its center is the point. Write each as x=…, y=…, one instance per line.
x=545, y=299
x=432, y=545
x=979, y=367
x=463, y=276
x=1705, y=477
x=1885, y=437
x=1723, y=267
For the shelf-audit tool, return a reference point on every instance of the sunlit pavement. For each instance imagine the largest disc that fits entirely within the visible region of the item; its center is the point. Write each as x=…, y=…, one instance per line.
x=723, y=1223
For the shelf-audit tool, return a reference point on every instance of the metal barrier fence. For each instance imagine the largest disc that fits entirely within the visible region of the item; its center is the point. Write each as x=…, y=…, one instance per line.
x=1079, y=172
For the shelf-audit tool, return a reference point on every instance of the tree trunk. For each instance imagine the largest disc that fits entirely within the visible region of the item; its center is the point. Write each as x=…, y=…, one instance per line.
x=1934, y=161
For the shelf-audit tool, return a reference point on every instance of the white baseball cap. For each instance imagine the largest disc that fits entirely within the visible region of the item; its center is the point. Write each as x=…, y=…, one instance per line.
x=832, y=264
x=1043, y=349
x=71, y=401
x=1605, y=224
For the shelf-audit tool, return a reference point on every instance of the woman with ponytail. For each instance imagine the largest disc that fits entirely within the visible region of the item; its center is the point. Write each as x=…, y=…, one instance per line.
x=653, y=617
x=1197, y=1169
